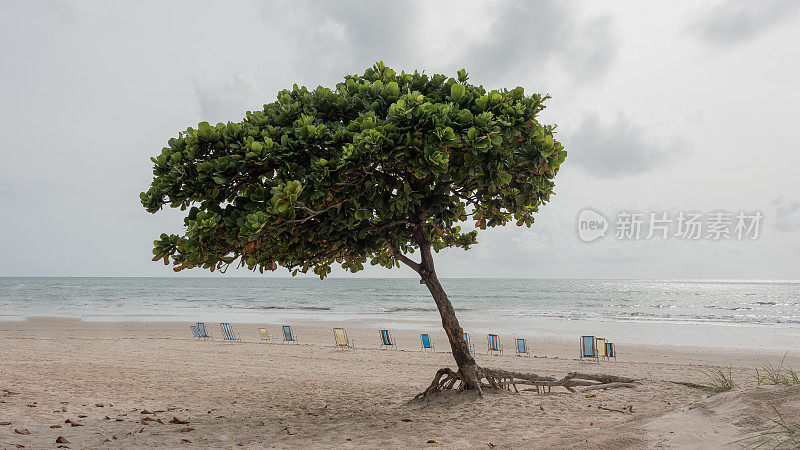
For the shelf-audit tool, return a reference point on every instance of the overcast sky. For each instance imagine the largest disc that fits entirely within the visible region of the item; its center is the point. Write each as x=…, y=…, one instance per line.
x=666, y=107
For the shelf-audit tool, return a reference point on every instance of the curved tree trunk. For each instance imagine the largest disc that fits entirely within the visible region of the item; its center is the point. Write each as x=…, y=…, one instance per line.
x=467, y=368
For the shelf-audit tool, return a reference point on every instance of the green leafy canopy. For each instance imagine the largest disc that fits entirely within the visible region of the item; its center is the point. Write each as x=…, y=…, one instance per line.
x=360, y=173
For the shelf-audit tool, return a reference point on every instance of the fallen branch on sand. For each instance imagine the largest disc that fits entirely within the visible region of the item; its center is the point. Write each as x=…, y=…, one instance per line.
x=603, y=386
x=504, y=379
x=626, y=410
x=691, y=385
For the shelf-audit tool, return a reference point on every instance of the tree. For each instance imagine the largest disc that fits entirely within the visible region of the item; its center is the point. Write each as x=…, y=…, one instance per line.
x=384, y=166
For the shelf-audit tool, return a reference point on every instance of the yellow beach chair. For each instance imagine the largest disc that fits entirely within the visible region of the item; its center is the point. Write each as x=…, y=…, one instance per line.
x=342, y=342
x=265, y=337
x=600, y=344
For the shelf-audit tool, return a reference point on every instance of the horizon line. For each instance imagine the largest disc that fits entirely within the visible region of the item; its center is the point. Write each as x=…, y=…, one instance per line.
x=743, y=280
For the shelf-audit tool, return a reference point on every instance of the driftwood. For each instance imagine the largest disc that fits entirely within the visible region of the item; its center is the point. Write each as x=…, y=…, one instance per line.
x=626, y=410
x=603, y=386
x=691, y=385
x=503, y=379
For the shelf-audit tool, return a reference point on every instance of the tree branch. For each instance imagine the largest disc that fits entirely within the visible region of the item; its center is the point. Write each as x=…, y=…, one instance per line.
x=426, y=268
x=404, y=259
x=380, y=227
x=314, y=213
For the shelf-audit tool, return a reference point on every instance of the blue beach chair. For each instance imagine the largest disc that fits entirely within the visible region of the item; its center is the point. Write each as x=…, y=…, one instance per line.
x=227, y=333
x=386, y=340
x=470, y=346
x=425, y=342
x=494, y=345
x=522, y=347
x=611, y=351
x=588, y=348
x=195, y=332
x=289, y=336
x=201, y=331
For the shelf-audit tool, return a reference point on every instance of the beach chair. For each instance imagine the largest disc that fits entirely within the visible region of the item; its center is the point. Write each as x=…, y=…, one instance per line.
x=195, y=332
x=611, y=351
x=201, y=331
x=288, y=335
x=470, y=346
x=494, y=345
x=600, y=345
x=386, y=340
x=588, y=350
x=227, y=333
x=265, y=337
x=425, y=342
x=340, y=337
x=522, y=347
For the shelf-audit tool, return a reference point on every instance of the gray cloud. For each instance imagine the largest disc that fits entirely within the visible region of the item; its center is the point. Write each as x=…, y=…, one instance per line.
x=787, y=214
x=533, y=37
x=734, y=21
x=616, y=148
x=336, y=38
x=522, y=39
x=228, y=101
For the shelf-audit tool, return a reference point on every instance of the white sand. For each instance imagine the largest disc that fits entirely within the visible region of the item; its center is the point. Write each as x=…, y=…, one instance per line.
x=274, y=395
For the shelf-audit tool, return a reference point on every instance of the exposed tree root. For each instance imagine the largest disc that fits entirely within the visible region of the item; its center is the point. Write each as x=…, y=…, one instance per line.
x=503, y=379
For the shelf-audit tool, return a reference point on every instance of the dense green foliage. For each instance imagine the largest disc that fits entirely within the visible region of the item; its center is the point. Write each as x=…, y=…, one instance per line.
x=347, y=175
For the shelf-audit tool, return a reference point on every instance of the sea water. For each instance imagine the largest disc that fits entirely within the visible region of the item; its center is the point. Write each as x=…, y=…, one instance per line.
x=725, y=313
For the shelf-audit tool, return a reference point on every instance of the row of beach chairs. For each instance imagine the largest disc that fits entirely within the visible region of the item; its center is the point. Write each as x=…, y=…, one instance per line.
x=596, y=348
x=493, y=344
x=199, y=332
x=591, y=347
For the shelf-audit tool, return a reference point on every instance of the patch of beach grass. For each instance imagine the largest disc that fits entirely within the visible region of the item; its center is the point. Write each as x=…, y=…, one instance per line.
x=782, y=434
x=719, y=380
x=781, y=375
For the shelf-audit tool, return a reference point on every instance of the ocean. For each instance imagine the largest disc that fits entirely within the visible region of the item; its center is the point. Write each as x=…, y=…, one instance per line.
x=724, y=313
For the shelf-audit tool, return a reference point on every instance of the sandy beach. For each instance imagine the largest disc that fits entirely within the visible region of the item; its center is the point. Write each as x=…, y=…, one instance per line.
x=128, y=384
x=570, y=173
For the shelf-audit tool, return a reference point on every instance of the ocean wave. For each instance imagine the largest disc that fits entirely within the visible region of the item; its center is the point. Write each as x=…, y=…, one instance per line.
x=729, y=308
x=275, y=307
x=421, y=309
x=411, y=309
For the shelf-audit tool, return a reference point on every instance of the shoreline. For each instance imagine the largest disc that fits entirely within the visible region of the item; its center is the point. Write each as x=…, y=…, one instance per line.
x=365, y=333
x=770, y=338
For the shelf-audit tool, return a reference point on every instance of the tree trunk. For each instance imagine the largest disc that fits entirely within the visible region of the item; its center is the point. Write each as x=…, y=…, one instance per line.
x=467, y=367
